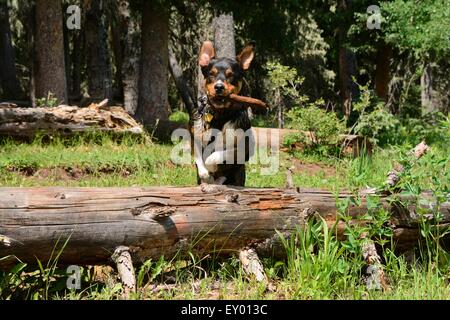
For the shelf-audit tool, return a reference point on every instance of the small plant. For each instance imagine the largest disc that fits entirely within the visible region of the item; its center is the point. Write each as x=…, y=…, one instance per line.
x=433, y=127
x=48, y=102
x=179, y=117
x=318, y=263
x=285, y=89
x=374, y=122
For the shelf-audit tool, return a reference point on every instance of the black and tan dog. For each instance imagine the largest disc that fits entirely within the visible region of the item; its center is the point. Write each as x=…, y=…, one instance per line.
x=223, y=140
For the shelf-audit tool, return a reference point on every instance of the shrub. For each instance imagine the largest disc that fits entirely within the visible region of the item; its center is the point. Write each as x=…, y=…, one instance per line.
x=432, y=127
x=380, y=126
x=325, y=128
x=374, y=121
x=48, y=102
x=179, y=117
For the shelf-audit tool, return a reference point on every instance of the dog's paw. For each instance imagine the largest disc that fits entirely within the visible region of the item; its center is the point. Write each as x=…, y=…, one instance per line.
x=211, y=188
x=205, y=176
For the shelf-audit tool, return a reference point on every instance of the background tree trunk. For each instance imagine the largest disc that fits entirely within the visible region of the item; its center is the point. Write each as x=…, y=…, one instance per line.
x=8, y=74
x=131, y=57
x=98, y=58
x=224, y=43
x=49, y=66
x=347, y=64
x=153, y=91
x=181, y=82
x=118, y=32
x=77, y=64
x=382, y=73
x=30, y=14
x=426, y=85
x=67, y=56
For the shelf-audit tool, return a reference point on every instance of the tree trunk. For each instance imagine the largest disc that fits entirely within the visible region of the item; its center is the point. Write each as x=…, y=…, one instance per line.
x=347, y=64
x=49, y=67
x=117, y=36
x=382, y=73
x=77, y=64
x=426, y=85
x=181, y=83
x=153, y=91
x=224, y=43
x=131, y=57
x=8, y=74
x=158, y=221
x=29, y=31
x=65, y=120
x=67, y=57
x=98, y=58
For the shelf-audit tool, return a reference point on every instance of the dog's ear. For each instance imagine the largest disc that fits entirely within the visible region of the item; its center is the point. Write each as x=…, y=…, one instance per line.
x=245, y=58
x=207, y=53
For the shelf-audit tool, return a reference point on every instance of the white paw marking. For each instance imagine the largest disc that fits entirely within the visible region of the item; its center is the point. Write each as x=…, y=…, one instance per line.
x=204, y=175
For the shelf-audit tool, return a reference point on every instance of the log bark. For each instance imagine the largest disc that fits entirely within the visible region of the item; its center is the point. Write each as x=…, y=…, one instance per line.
x=167, y=221
x=65, y=120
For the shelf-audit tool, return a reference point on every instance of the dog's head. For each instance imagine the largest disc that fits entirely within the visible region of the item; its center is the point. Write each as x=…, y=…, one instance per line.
x=223, y=76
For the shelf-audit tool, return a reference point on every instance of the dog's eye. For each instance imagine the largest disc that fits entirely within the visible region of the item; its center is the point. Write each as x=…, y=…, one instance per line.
x=229, y=73
x=213, y=72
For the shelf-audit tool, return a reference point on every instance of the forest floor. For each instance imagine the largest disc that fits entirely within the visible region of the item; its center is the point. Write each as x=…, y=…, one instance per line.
x=332, y=272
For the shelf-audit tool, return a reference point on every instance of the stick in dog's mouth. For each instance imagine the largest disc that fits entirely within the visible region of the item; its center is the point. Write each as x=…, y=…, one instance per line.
x=237, y=102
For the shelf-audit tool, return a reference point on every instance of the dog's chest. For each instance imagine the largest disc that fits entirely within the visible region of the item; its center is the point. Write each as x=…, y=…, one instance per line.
x=224, y=119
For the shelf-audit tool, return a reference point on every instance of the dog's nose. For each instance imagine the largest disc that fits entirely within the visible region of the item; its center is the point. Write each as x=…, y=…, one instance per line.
x=219, y=87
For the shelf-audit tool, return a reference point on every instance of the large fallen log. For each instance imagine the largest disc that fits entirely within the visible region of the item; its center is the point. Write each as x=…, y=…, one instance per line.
x=65, y=120
x=168, y=221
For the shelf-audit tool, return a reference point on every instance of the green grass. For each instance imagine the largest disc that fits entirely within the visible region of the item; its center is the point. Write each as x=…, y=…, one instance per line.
x=318, y=266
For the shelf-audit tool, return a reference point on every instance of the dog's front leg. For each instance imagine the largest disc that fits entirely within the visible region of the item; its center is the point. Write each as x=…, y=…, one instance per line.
x=203, y=172
x=220, y=157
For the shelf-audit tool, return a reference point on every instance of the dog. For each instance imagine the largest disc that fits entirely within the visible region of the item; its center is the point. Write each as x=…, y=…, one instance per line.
x=222, y=136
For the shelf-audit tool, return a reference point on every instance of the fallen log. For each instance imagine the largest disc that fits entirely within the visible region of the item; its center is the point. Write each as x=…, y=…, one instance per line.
x=351, y=144
x=65, y=120
x=167, y=221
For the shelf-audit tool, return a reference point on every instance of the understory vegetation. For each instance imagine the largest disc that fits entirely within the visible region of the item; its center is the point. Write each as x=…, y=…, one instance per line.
x=318, y=266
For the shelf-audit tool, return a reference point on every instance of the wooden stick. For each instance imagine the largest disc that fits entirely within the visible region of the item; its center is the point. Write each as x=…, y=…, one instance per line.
x=374, y=278
x=394, y=175
x=252, y=265
x=248, y=101
x=122, y=258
